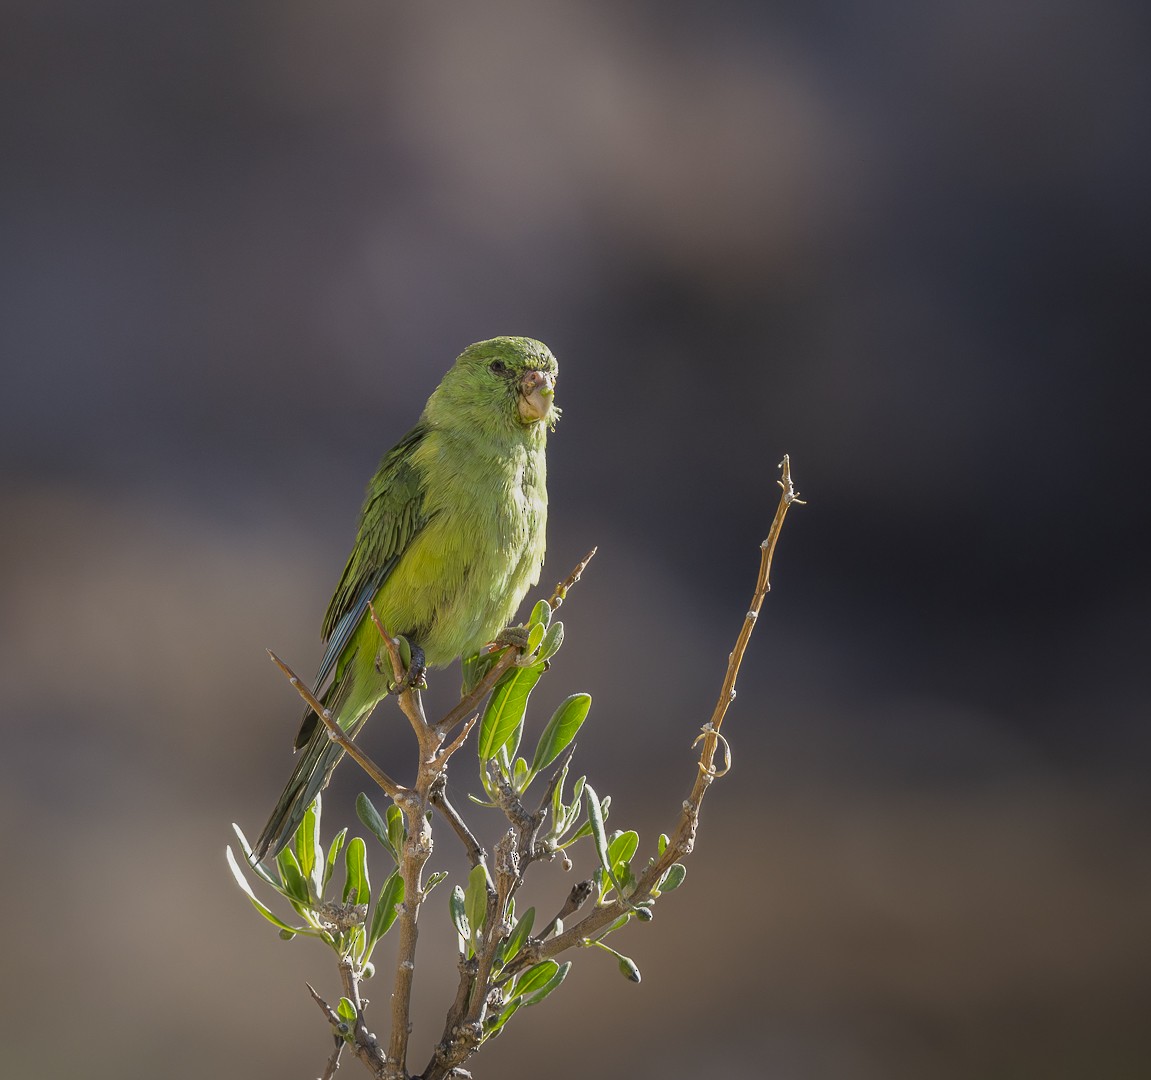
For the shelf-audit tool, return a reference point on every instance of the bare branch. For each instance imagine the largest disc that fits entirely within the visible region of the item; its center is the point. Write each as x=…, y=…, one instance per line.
x=682, y=840
x=439, y=797
x=467, y=704
x=391, y=645
x=337, y=733
x=561, y=590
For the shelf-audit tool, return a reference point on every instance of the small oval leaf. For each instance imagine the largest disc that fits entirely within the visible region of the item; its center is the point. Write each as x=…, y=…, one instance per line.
x=476, y=897
x=387, y=908
x=357, y=886
x=541, y=614
x=263, y=909
x=397, y=831
x=309, y=854
x=291, y=878
x=433, y=881
x=621, y=850
x=376, y=825
x=535, y=978
x=536, y=996
x=673, y=879
x=457, y=908
x=519, y=935
x=561, y=729
x=505, y=709
x=552, y=641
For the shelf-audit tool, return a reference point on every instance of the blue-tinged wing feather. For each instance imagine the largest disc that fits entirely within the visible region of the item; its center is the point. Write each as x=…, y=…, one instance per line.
x=393, y=514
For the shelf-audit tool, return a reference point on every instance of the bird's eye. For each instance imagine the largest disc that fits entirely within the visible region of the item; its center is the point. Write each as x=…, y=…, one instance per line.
x=498, y=367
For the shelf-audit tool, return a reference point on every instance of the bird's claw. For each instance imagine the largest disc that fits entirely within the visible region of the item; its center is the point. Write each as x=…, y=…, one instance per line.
x=414, y=677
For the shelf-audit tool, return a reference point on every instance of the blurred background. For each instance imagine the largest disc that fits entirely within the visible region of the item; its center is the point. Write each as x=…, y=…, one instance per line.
x=907, y=244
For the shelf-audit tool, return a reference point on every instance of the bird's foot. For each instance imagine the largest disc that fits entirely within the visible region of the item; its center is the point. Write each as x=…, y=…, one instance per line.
x=414, y=677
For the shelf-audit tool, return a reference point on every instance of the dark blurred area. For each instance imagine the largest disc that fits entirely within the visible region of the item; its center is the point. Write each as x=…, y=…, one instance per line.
x=907, y=244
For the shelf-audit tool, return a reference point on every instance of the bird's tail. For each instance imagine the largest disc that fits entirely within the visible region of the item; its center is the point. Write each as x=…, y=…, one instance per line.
x=319, y=755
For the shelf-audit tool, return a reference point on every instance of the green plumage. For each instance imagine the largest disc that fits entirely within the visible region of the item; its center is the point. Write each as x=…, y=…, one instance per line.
x=451, y=537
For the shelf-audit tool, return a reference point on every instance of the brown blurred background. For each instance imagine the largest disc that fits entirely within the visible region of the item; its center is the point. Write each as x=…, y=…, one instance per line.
x=907, y=244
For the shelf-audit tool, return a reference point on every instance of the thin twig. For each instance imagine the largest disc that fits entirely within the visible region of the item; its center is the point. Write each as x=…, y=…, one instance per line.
x=337, y=734
x=333, y=1065
x=416, y=850
x=683, y=839
x=459, y=741
x=579, y=895
x=390, y=644
x=561, y=590
x=467, y=704
x=411, y=704
x=325, y=1008
x=365, y=1044
x=338, y=1025
x=475, y=851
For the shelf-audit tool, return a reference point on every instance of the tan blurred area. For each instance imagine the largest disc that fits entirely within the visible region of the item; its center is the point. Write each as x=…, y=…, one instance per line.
x=908, y=246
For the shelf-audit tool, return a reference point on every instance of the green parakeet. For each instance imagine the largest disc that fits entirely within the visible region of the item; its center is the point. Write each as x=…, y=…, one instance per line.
x=451, y=537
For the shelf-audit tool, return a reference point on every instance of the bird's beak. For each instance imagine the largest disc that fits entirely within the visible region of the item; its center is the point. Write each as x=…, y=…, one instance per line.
x=537, y=389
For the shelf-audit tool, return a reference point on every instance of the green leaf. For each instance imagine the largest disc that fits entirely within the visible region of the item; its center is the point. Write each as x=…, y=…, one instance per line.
x=661, y=847
x=333, y=854
x=357, y=887
x=263, y=909
x=291, y=878
x=434, y=880
x=595, y=824
x=539, y=993
x=535, y=978
x=541, y=614
x=552, y=640
x=254, y=865
x=596, y=815
x=560, y=730
x=574, y=812
x=397, y=831
x=346, y=1011
x=535, y=636
x=558, y=802
x=621, y=850
x=625, y=877
x=495, y=1026
x=476, y=667
x=457, y=908
x=519, y=935
x=309, y=853
x=386, y=912
x=520, y=775
x=505, y=709
x=370, y=816
x=618, y=924
x=476, y=897
x=673, y=879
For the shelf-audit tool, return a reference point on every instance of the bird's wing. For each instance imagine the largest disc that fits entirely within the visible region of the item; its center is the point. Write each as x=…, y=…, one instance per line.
x=393, y=514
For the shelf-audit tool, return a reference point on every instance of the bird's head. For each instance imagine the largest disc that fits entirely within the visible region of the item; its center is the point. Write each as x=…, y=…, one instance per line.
x=505, y=383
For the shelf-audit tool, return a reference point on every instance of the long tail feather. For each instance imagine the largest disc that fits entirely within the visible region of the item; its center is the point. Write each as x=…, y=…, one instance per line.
x=310, y=776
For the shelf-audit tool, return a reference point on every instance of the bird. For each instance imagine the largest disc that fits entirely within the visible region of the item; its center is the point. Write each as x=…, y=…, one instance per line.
x=451, y=537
